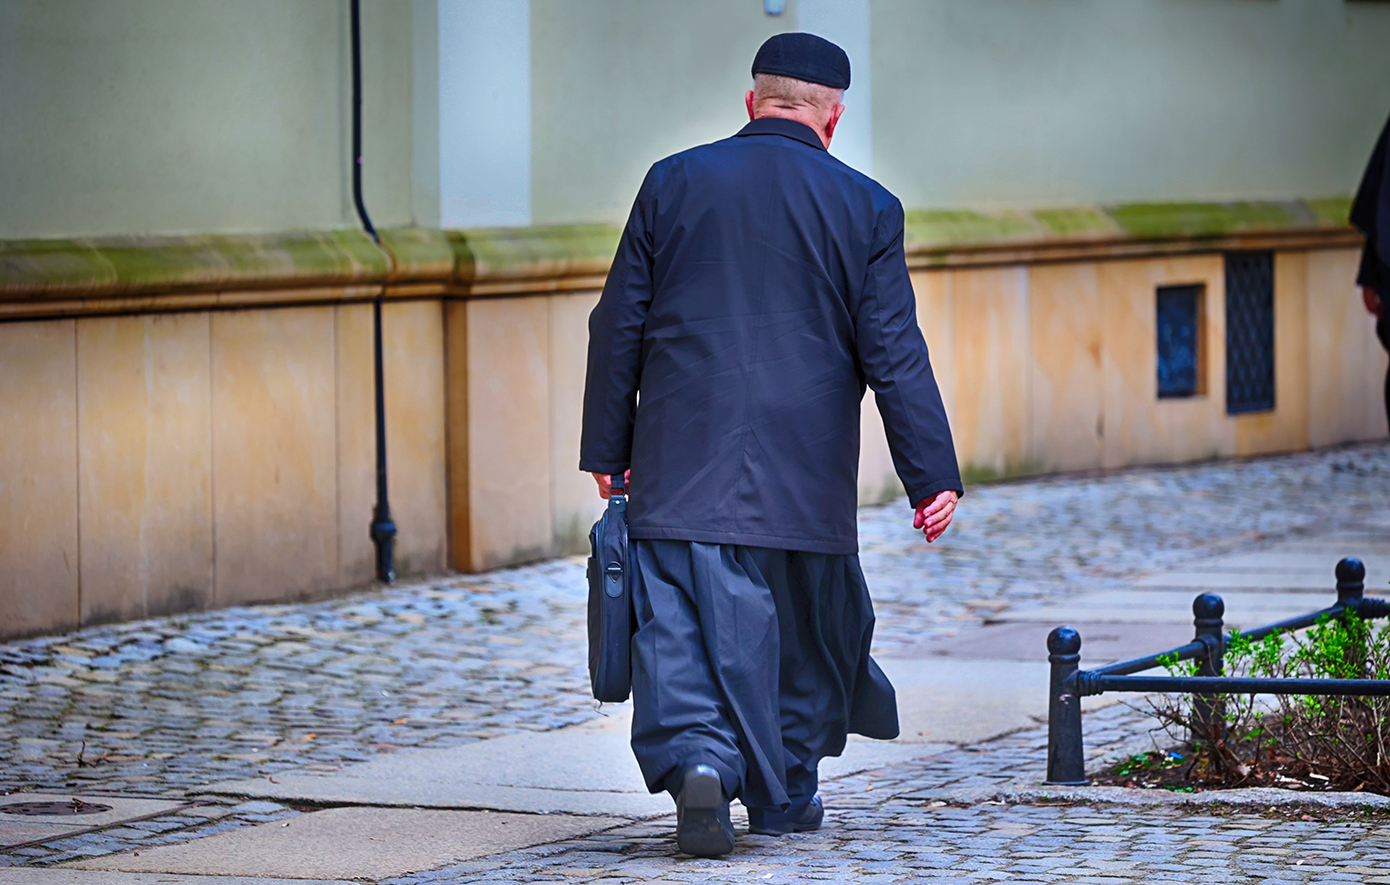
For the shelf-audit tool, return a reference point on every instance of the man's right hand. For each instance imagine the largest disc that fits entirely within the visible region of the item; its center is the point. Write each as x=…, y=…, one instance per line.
x=934, y=514
x=605, y=483
x=1373, y=301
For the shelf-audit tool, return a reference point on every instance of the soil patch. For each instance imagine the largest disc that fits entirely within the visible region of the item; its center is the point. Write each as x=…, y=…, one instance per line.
x=1180, y=772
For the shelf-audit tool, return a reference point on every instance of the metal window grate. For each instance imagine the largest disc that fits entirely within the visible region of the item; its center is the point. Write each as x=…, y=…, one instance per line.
x=1249, y=332
x=1179, y=316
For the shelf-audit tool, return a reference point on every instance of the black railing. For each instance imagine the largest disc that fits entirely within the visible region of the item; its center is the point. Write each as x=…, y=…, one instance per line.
x=1066, y=762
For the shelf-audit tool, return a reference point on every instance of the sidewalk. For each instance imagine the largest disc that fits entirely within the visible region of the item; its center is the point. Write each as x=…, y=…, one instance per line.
x=443, y=728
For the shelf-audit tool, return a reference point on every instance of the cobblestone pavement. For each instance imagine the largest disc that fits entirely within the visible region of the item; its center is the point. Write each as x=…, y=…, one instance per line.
x=876, y=831
x=1021, y=543
x=162, y=706
x=906, y=841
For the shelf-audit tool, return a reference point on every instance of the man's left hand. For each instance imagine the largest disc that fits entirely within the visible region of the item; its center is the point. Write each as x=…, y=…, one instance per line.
x=605, y=483
x=934, y=514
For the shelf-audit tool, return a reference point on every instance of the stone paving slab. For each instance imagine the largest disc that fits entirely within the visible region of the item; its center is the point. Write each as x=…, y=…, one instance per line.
x=445, y=792
x=953, y=701
x=1026, y=641
x=1244, y=608
x=52, y=876
x=589, y=769
x=1223, y=581
x=584, y=770
x=16, y=829
x=885, y=826
x=354, y=843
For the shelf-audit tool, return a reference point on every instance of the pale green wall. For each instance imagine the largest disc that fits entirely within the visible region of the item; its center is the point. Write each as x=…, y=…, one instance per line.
x=617, y=85
x=192, y=116
x=979, y=102
x=1008, y=101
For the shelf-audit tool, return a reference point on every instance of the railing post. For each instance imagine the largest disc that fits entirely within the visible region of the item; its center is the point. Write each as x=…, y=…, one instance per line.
x=1207, y=610
x=1351, y=582
x=1066, y=757
x=1351, y=589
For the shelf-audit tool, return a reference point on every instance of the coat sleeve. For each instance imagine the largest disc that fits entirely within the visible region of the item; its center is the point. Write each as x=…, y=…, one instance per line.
x=615, y=346
x=894, y=358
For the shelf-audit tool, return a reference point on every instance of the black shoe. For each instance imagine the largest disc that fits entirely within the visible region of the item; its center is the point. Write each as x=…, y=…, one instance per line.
x=703, y=827
x=779, y=823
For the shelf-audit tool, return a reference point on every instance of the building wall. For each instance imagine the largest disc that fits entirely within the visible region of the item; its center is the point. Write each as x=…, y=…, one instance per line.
x=988, y=102
x=198, y=116
x=162, y=463
x=159, y=462
x=617, y=86
x=1053, y=367
x=207, y=116
x=483, y=118
x=995, y=101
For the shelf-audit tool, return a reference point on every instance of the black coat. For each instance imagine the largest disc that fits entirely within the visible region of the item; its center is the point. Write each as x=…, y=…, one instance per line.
x=760, y=283
x=1370, y=212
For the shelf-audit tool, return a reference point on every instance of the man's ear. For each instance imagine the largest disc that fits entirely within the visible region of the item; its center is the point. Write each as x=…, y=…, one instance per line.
x=829, y=131
x=748, y=100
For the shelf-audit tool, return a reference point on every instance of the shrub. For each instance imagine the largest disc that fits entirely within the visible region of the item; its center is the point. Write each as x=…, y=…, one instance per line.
x=1301, y=741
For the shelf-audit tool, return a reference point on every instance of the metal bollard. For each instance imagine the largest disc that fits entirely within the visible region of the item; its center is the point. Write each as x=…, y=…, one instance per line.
x=1351, y=582
x=1066, y=758
x=1351, y=588
x=1207, y=610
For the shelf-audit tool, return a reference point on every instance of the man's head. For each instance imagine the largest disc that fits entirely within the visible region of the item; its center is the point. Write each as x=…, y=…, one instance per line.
x=800, y=77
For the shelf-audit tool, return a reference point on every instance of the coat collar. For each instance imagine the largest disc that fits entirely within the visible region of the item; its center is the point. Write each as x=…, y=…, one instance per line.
x=778, y=126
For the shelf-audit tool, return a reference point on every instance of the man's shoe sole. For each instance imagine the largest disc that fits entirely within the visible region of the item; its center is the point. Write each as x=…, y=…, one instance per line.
x=699, y=828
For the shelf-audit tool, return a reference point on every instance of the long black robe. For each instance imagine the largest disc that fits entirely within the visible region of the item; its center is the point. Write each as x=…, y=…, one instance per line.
x=754, y=661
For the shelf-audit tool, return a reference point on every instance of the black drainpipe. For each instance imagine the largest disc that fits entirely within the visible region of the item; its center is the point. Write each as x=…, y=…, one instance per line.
x=383, y=530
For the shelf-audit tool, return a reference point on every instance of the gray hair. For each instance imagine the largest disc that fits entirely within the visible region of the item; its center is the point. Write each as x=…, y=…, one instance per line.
x=790, y=92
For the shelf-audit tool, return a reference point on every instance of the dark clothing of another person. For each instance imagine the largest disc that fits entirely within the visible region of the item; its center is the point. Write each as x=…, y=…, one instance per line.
x=1370, y=212
x=759, y=286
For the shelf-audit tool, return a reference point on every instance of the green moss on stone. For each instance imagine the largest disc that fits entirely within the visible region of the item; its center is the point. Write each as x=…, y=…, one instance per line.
x=153, y=264
x=1074, y=220
x=926, y=228
x=1330, y=210
x=169, y=263
x=52, y=265
x=1200, y=219
x=530, y=251
x=420, y=253
x=976, y=474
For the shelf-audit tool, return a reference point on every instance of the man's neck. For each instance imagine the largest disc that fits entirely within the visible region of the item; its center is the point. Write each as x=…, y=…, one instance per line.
x=796, y=116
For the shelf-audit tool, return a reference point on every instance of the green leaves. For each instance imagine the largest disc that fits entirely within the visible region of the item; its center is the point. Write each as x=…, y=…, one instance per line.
x=1302, y=742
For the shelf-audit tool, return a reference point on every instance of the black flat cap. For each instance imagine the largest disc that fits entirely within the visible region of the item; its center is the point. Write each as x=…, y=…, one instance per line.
x=803, y=57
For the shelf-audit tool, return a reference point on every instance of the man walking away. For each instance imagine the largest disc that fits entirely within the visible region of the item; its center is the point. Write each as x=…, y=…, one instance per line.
x=759, y=285
x=1370, y=212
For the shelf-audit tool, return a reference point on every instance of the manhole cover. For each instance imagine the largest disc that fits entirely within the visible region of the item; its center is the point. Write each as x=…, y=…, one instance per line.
x=42, y=809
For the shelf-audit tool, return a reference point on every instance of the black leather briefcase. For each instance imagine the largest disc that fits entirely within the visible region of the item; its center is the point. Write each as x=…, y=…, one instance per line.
x=610, y=602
